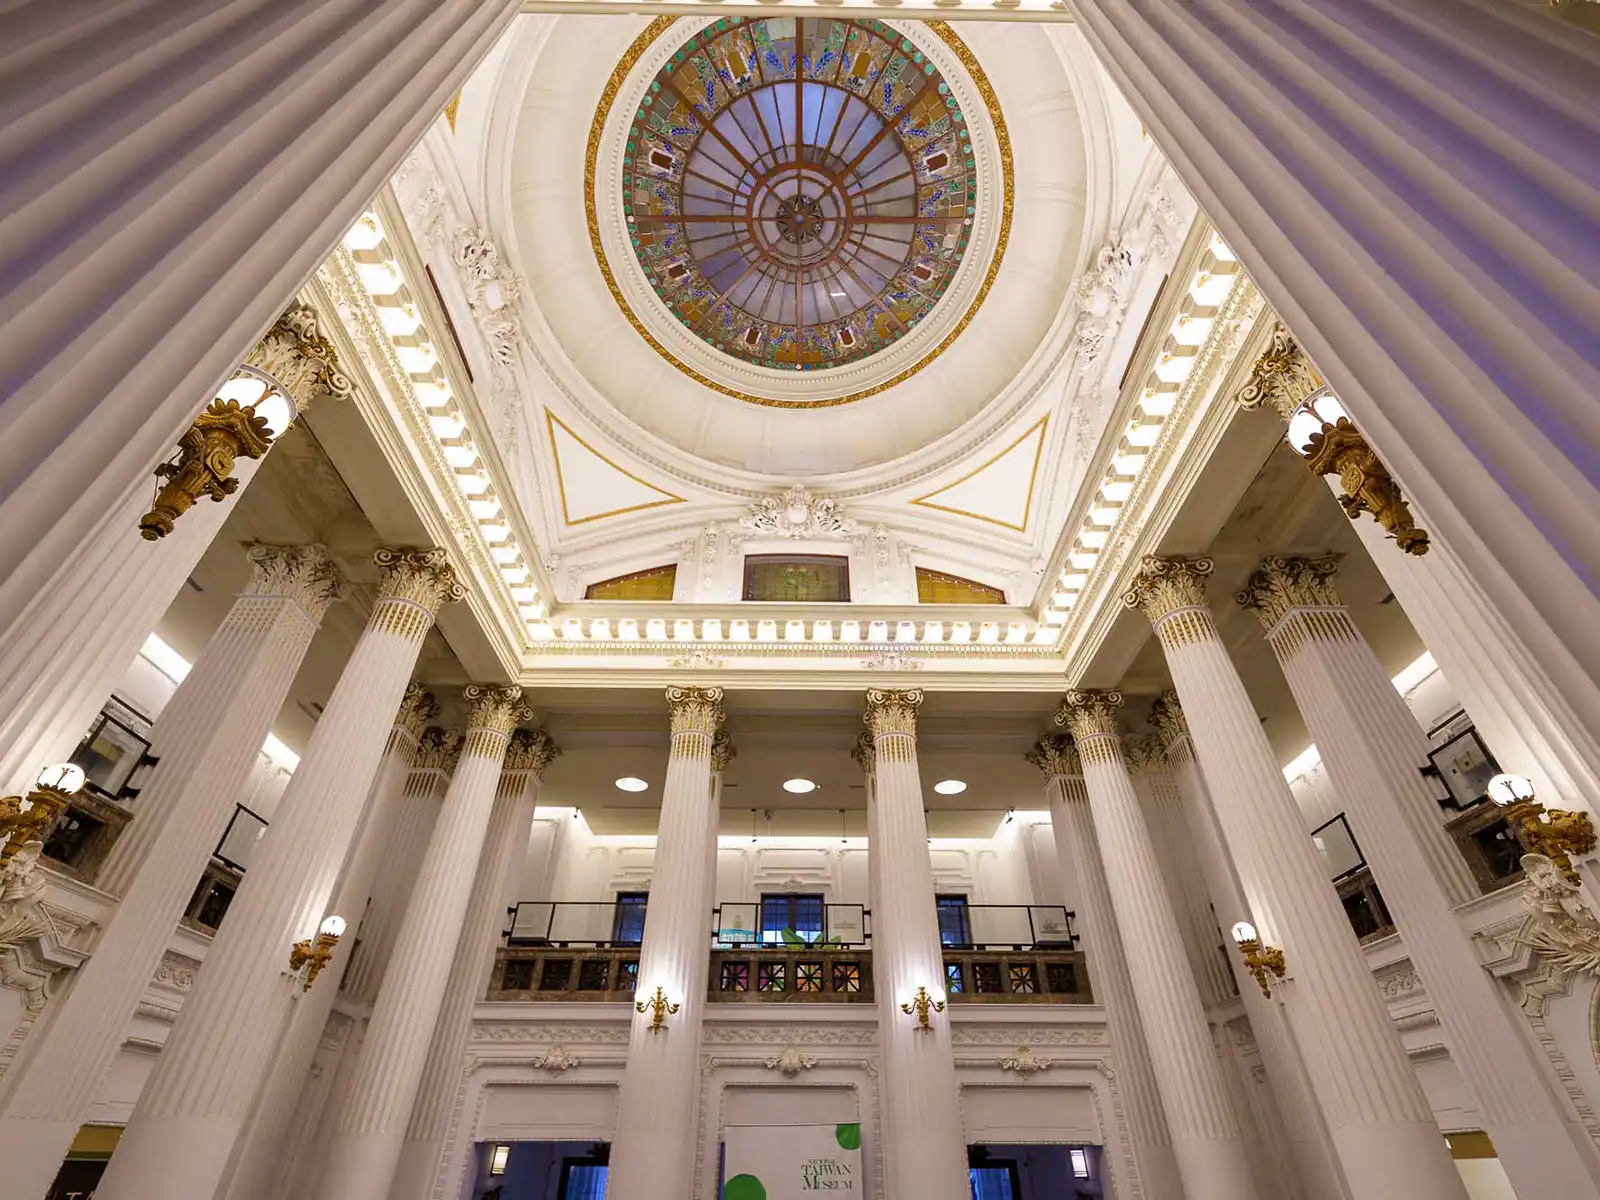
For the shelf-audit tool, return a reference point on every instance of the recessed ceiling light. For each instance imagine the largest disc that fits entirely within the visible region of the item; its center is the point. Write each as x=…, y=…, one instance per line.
x=799, y=786
x=629, y=783
x=950, y=787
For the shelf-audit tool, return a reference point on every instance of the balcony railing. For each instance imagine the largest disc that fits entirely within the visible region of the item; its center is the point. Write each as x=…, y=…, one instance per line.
x=1006, y=927
x=797, y=976
x=568, y=923
x=1027, y=977
x=737, y=924
x=548, y=973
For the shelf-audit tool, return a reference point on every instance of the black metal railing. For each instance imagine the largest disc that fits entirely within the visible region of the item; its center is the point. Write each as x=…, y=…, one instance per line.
x=567, y=923
x=1006, y=926
x=1025, y=977
x=741, y=923
x=1364, y=906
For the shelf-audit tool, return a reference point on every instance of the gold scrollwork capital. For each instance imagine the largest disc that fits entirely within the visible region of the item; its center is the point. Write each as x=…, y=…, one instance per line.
x=1090, y=713
x=531, y=750
x=695, y=709
x=1365, y=483
x=417, y=708
x=495, y=707
x=423, y=577
x=722, y=752
x=1283, y=376
x=300, y=358
x=892, y=710
x=1167, y=719
x=439, y=749
x=865, y=752
x=1281, y=583
x=1055, y=756
x=304, y=574
x=1164, y=585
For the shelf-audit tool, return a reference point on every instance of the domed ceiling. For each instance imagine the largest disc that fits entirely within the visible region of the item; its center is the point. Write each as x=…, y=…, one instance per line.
x=801, y=192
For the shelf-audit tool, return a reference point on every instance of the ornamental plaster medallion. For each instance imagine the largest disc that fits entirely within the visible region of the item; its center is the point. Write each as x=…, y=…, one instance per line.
x=1024, y=1062
x=789, y=1061
x=797, y=513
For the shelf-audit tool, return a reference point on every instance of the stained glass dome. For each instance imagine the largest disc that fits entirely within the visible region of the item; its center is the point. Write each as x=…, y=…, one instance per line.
x=799, y=191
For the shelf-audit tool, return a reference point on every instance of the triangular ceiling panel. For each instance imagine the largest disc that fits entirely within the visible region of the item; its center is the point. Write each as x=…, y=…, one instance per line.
x=591, y=485
x=1001, y=490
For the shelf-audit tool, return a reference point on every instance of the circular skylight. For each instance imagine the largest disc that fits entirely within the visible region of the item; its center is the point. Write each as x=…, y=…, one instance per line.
x=631, y=783
x=799, y=787
x=799, y=191
x=950, y=787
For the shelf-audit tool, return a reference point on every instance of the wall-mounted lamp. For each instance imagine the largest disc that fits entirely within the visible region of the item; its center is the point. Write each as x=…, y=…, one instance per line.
x=203, y=464
x=1325, y=437
x=25, y=819
x=921, y=1005
x=312, y=955
x=659, y=1008
x=1259, y=960
x=1555, y=833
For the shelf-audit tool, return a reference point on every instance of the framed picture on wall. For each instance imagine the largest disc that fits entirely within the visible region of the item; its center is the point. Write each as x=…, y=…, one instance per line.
x=1465, y=766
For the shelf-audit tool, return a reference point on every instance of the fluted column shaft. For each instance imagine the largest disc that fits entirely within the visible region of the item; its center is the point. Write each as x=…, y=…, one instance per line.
x=923, y=1141
x=264, y=1158
x=1205, y=1132
x=1371, y=747
x=366, y=1142
x=654, y=1151
x=1377, y=1115
x=1316, y=1164
x=504, y=845
x=1155, y=1168
x=215, y=1061
x=228, y=705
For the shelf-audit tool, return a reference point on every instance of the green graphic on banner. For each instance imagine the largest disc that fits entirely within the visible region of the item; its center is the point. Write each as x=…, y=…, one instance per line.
x=792, y=1162
x=848, y=1136
x=744, y=1187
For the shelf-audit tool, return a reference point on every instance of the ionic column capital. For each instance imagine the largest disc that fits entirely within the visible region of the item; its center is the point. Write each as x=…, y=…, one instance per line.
x=1163, y=586
x=1055, y=756
x=423, y=577
x=722, y=752
x=695, y=710
x=1283, y=376
x=303, y=574
x=865, y=752
x=297, y=355
x=1283, y=583
x=1090, y=715
x=892, y=710
x=1167, y=719
x=531, y=750
x=417, y=708
x=438, y=749
x=495, y=708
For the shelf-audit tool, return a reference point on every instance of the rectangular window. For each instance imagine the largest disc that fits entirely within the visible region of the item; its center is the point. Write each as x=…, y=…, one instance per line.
x=498, y=1157
x=955, y=922
x=1080, y=1162
x=583, y=1180
x=802, y=578
x=791, y=919
x=627, y=928
x=994, y=1183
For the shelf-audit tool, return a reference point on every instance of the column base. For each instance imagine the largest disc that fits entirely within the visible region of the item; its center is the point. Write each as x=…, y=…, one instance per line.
x=360, y=1166
x=1213, y=1169
x=145, y=1165
x=1398, y=1160
x=32, y=1151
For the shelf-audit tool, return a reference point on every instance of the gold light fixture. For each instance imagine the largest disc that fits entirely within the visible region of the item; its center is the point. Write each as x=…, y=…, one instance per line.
x=659, y=1008
x=1555, y=833
x=1261, y=961
x=241, y=423
x=28, y=819
x=921, y=1005
x=312, y=955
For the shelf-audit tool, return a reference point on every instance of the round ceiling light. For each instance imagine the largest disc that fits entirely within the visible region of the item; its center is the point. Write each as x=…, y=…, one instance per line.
x=799, y=786
x=950, y=787
x=631, y=783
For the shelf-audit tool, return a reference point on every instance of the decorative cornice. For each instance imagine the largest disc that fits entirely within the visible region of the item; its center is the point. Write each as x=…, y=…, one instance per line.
x=695, y=709
x=417, y=708
x=531, y=750
x=722, y=752
x=892, y=710
x=1090, y=714
x=494, y=707
x=438, y=749
x=1164, y=585
x=421, y=577
x=303, y=574
x=1281, y=583
x=1055, y=755
x=1282, y=377
x=1167, y=719
x=865, y=753
x=298, y=356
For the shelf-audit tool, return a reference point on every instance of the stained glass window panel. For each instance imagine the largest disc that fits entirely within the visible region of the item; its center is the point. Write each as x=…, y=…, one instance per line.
x=1024, y=979
x=808, y=977
x=735, y=977
x=847, y=977
x=771, y=977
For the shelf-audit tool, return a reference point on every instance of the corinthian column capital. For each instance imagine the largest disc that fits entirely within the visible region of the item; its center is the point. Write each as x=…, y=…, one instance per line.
x=1281, y=584
x=695, y=709
x=1162, y=586
x=722, y=752
x=1283, y=376
x=297, y=355
x=1090, y=714
x=304, y=574
x=865, y=752
x=495, y=708
x=1167, y=719
x=1055, y=756
x=531, y=750
x=417, y=708
x=424, y=578
x=892, y=710
x=1144, y=752
x=438, y=749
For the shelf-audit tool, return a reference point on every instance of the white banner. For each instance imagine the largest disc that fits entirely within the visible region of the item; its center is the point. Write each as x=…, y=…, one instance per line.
x=791, y=1162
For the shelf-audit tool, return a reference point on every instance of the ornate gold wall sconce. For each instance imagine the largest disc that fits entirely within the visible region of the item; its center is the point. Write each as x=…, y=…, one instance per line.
x=1323, y=433
x=1555, y=833
x=1261, y=961
x=312, y=955
x=25, y=819
x=921, y=1005
x=203, y=465
x=659, y=1008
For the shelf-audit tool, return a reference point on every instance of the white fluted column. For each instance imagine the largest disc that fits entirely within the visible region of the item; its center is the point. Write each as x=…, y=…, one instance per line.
x=229, y=702
x=1371, y=746
x=215, y=1061
x=234, y=143
x=265, y=1155
x=654, y=1151
x=365, y=1147
x=867, y=759
x=1205, y=1133
x=1155, y=1168
x=62, y=658
x=1379, y=1119
x=1317, y=1166
x=1375, y=163
x=504, y=845
x=924, y=1149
